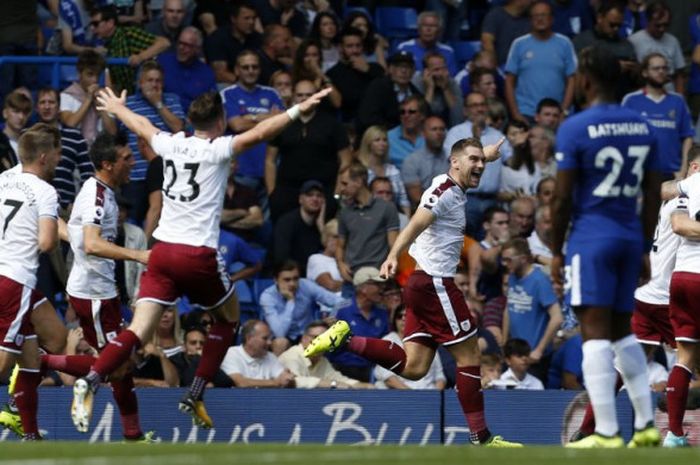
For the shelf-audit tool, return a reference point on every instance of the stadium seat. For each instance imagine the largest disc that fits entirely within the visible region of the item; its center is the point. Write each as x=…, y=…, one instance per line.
x=396, y=22
x=350, y=9
x=259, y=285
x=465, y=51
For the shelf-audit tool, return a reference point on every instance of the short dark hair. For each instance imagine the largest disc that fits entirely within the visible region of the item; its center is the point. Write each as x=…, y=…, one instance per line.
x=206, y=110
x=285, y=265
x=516, y=346
x=656, y=7
x=350, y=31
x=646, y=61
x=694, y=154
x=608, y=5
x=237, y=6
x=379, y=179
x=548, y=102
x=90, y=60
x=104, y=148
x=476, y=75
x=196, y=328
x=433, y=54
x=108, y=12
x=490, y=212
x=602, y=67
x=423, y=107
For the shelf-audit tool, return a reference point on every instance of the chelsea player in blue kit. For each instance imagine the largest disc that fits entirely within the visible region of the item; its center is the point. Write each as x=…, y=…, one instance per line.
x=605, y=155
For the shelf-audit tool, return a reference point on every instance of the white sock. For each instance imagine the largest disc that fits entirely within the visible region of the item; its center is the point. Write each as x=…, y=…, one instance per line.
x=600, y=377
x=633, y=367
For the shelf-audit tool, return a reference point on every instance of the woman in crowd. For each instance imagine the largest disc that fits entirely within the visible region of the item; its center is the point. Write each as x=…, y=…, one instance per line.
x=322, y=267
x=168, y=334
x=374, y=154
x=541, y=141
x=325, y=31
x=308, y=66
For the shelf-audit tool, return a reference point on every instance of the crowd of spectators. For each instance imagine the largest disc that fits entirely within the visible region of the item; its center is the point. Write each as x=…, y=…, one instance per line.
x=313, y=213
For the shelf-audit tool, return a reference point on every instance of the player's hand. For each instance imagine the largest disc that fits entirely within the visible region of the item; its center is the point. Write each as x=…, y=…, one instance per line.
x=108, y=101
x=493, y=152
x=557, y=274
x=313, y=101
x=388, y=269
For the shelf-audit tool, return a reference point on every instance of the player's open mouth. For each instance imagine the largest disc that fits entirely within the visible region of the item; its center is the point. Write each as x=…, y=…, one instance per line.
x=475, y=177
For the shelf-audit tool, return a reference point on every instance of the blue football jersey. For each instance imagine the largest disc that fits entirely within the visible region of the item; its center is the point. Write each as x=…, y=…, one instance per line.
x=610, y=147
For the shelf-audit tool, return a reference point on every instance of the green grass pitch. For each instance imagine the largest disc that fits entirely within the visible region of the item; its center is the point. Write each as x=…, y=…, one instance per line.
x=77, y=453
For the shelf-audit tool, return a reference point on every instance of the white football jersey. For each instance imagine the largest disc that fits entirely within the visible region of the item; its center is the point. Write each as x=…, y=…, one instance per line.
x=688, y=255
x=195, y=171
x=92, y=277
x=662, y=258
x=437, y=249
x=24, y=198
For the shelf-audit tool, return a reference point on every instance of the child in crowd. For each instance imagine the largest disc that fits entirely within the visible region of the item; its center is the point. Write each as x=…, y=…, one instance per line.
x=517, y=355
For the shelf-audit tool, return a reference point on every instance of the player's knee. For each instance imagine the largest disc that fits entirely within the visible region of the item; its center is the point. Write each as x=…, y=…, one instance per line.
x=415, y=371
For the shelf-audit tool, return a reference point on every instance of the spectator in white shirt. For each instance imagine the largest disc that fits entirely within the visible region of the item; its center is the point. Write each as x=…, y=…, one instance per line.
x=517, y=355
x=322, y=267
x=252, y=365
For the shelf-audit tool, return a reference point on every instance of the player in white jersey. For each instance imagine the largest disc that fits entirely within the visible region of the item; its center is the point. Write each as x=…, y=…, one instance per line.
x=185, y=260
x=685, y=295
x=436, y=311
x=92, y=288
x=28, y=226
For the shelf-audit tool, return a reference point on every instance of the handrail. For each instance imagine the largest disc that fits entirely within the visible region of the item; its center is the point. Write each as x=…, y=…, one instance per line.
x=55, y=62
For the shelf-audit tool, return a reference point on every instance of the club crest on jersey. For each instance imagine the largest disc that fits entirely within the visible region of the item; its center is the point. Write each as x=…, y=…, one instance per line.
x=432, y=200
x=465, y=325
x=19, y=340
x=99, y=212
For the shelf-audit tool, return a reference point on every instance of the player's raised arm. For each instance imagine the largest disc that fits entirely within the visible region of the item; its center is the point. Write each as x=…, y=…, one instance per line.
x=269, y=128
x=418, y=223
x=107, y=101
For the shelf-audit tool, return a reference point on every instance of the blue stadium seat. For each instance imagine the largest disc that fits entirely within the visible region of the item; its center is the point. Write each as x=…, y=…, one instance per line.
x=259, y=285
x=350, y=9
x=465, y=51
x=396, y=22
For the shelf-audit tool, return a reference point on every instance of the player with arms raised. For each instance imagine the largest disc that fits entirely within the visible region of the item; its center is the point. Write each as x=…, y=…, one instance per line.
x=185, y=258
x=436, y=311
x=604, y=154
x=28, y=218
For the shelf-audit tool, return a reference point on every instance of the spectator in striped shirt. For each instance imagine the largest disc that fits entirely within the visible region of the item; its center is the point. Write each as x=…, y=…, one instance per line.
x=164, y=111
x=74, y=149
x=125, y=41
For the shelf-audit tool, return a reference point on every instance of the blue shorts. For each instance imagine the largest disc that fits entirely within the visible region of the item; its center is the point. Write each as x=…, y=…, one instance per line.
x=603, y=273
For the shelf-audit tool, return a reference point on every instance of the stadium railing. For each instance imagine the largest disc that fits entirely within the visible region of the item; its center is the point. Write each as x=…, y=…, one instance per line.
x=55, y=62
